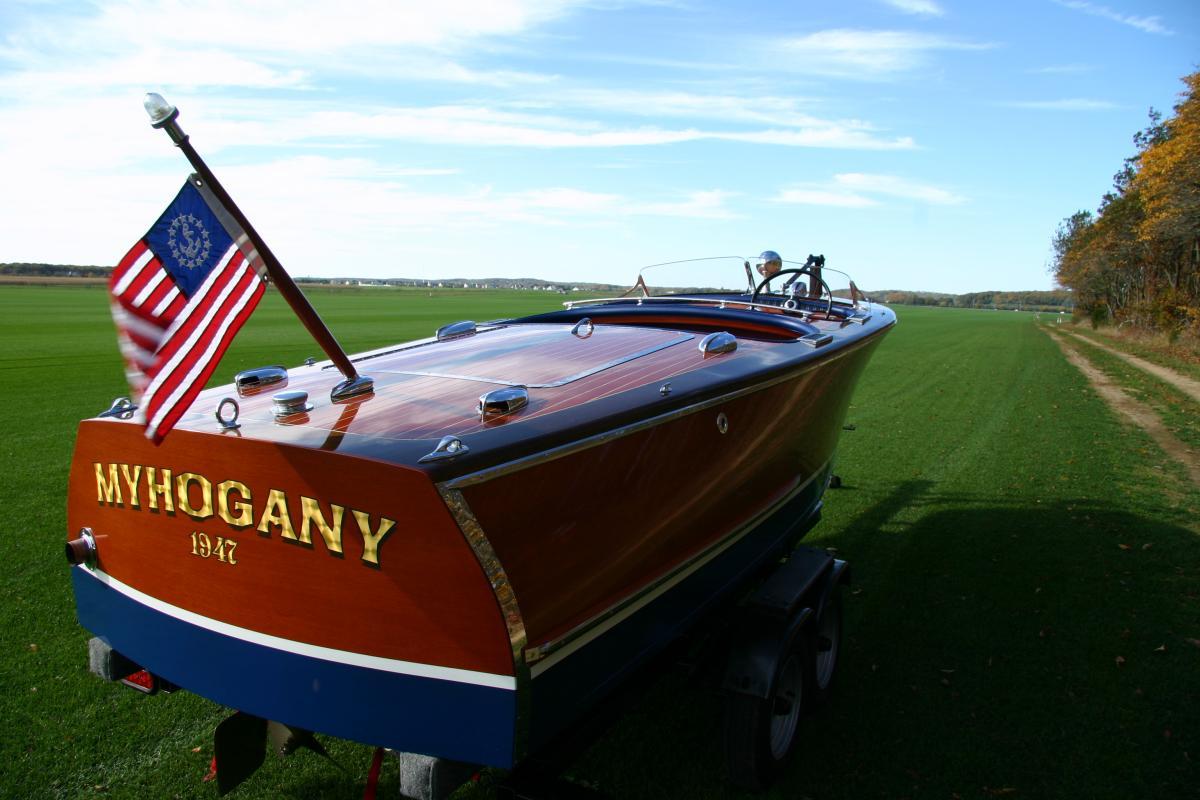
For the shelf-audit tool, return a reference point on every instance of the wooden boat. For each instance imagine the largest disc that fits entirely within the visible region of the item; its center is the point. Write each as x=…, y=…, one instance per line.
x=465, y=560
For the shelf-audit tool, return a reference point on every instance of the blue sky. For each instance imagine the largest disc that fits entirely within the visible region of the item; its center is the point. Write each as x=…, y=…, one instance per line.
x=920, y=144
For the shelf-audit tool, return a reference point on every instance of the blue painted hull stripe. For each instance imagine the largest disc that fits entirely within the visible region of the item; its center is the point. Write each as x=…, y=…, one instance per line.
x=303, y=649
x=452, y=719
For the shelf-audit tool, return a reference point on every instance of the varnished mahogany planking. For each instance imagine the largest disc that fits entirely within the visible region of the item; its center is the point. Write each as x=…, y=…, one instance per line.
x=427, y=601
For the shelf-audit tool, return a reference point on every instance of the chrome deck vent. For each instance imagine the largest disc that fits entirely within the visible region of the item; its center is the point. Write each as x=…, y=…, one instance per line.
x=719, y=342
x=448, y=447
x=454, y=330
x=815, y=340
x=583, y=328
x=252, y=381
x=285, y=404
x=859, y=317
x=499, y=402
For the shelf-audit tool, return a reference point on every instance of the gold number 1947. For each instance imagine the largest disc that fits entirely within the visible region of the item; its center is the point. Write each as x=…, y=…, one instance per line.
x=203, y=546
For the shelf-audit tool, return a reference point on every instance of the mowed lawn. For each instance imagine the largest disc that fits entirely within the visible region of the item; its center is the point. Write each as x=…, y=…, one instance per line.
x=1024, y=619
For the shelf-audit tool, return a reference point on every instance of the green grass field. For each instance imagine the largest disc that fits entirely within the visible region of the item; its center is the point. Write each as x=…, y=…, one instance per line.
x=1024, y=619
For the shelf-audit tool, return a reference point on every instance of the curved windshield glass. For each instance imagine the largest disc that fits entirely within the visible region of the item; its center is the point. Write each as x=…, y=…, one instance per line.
x=738, y=275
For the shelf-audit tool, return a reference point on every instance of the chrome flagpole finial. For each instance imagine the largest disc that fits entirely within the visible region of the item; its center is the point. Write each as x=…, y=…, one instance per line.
x=161, y=112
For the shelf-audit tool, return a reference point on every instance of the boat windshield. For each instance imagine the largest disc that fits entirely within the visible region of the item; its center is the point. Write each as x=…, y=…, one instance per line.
x=736, y=278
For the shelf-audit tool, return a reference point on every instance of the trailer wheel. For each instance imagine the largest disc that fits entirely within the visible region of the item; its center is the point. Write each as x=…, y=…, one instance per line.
x=824, y=650
x=760, y=732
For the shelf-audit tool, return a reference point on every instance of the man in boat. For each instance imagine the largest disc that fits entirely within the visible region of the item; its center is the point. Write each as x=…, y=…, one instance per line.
x=769, y=265
x=769, y=262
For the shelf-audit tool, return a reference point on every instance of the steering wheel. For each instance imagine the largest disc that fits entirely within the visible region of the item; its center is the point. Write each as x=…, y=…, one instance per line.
x=797, y=272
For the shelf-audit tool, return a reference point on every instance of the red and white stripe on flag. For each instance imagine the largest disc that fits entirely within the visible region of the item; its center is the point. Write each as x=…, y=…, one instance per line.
x=172, y=343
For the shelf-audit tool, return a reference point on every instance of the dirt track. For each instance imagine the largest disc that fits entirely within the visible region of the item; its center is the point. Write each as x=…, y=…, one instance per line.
x=1183, y=383
x=1136, y=412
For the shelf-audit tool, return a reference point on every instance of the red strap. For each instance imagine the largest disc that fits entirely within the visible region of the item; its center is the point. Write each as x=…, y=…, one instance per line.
x=212, y=771
x=373, y=775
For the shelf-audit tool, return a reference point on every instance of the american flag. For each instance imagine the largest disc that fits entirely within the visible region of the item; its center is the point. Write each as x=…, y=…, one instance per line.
x=178, y=299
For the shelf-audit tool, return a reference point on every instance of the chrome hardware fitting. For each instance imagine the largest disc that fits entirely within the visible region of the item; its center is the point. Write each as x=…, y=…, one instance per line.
x=285, y=404
x=228, y=423
x=121, y=408
x=83, y=549
x=252, y=381
x=456, y=329
x=448, y=447
x=719, y=342
x=308, y=362
x=583, y=328
x=665, y=389
x=859, y=317
x=722, y=423
x=499, y=402
x=352, y=388
x=816, y=340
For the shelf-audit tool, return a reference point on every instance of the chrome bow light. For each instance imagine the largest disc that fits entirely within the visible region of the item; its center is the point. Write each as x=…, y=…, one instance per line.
x=161, y=112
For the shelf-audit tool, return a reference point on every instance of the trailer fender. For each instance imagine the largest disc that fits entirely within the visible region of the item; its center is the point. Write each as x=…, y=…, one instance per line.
x=778, y=611
x=839, y=575
x=757, y=648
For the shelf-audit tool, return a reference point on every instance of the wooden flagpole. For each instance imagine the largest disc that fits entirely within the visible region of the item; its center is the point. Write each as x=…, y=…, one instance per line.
x=164, y=115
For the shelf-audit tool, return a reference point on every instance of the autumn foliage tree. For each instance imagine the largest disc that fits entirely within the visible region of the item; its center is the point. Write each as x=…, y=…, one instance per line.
x=1138, y=258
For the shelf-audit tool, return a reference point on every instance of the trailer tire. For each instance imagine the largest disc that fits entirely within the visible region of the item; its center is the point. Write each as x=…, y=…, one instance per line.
x=760, y=733
x=825, y=647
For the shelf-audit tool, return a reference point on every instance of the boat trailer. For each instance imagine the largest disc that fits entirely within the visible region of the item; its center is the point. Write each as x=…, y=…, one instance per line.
x=779, y=663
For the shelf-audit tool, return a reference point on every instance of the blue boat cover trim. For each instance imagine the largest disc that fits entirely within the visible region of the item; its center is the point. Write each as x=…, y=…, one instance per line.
x=414, y=713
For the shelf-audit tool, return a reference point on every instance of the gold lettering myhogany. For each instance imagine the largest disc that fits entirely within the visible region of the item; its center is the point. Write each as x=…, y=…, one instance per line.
x=126, y=486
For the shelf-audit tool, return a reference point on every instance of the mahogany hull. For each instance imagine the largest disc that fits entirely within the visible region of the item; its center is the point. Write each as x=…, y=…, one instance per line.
x=314, y=570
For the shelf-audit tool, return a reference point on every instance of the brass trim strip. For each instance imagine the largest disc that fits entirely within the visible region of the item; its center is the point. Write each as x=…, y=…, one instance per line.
x=509, y=609
x=543, y=657
x=598, y=439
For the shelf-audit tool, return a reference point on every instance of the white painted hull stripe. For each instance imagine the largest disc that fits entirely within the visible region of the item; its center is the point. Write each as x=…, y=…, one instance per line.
x=415, y=669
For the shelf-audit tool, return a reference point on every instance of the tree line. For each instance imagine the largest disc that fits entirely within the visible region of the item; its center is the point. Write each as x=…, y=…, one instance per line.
x=1137, y=259
x=55, y=270
x=1057, y=300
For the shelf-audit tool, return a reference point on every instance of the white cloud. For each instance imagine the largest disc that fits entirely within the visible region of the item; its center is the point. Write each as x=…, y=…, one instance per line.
x=1144, y=24
x=824, y=197
x=853, y=53
x=788, y=124
x=831, y=137
x=861, y=190
x=253, y=45
x=1063, y=69
x=924, y=8
x=239, y=123
x=696, y=205
x=1067, y=104
x=896, y=187
x=311, y=28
